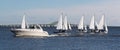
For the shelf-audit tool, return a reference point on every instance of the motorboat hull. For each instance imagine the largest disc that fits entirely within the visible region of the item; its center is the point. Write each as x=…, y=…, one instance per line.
x=29, y=32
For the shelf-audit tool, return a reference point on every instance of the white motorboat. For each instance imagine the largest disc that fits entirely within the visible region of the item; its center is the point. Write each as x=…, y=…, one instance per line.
x=24, y=31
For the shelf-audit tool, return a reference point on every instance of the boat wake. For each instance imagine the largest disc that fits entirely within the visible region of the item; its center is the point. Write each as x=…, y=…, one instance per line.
x=59, y=34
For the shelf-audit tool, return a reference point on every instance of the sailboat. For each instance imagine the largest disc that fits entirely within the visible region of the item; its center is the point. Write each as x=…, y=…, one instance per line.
x=81, y=26
x=63, y=25
x=92, y=24
x=24, y=31
x=102, y=27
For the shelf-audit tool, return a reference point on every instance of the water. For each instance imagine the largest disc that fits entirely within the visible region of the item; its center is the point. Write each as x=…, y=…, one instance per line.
x=111, y=41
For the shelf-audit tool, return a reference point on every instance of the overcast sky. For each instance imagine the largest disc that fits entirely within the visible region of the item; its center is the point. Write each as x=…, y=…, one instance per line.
x=47, y=11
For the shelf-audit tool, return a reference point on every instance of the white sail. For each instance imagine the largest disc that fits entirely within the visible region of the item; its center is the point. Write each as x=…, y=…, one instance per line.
x=65, y=25
x=106, y=28
x=69, y=27
x=80, y=25
x=23, y=25
x=101, y=23
x=59, y=25
x=62, y=23
x=92, y=23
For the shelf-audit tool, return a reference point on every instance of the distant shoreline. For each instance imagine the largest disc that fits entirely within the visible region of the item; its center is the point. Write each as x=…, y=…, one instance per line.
x=42, y=25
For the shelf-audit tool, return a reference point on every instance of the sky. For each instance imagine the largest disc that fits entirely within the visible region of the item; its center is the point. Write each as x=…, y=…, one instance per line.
x=48, y=11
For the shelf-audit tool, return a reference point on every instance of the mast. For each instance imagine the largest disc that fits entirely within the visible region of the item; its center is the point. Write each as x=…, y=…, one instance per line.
x=80, y=25
x=23, y=23
x=92, y=23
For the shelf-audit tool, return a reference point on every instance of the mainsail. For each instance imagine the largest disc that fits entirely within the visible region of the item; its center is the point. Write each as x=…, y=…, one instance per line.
x=23, y=25
x=80, y=25
x=65, y=24
x=59, y=25
x=62, y=23
x=101, y=23
x=92, y=23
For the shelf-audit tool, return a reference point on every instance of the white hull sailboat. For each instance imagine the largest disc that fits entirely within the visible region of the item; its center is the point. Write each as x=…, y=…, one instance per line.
x=81, y=26
x=102, y=27
x=23, y=31
x=92, y=25
x=63, y=25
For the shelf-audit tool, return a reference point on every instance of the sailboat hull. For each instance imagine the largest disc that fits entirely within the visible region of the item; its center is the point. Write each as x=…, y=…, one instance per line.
x=91, y=30
x=60, y=31
x=80, y=30
x=29, y=32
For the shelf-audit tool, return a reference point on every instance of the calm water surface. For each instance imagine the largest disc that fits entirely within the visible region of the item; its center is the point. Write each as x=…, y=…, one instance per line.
x=111, y=41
